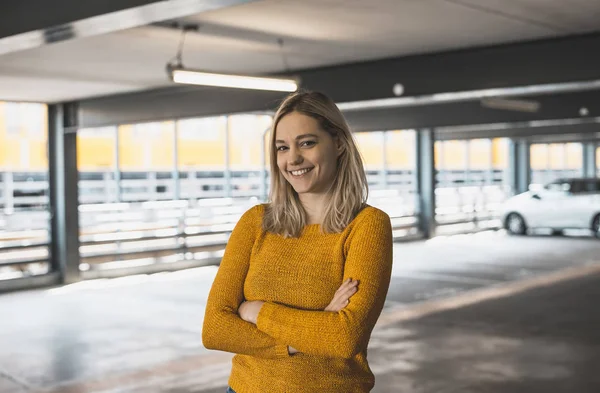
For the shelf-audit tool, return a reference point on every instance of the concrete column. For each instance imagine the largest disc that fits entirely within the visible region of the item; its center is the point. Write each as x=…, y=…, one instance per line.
x=467, y=162
x=589, y=159
x=9, y=189
x=425, y=180
x=63, y=176
x=263, y=172
x=117, y=170
x=176, y=179
x=107, y=185
x=490, y=172
x=151, y=190
x=227, y=173
x=519, y=165
x=385, y=161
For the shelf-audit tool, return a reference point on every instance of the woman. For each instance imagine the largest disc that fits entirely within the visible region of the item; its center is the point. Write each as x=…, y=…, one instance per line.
x=281, y=298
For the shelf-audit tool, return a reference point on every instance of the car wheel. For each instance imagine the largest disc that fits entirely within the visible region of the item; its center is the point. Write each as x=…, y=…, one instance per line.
x=515, y=224
x=596, y=226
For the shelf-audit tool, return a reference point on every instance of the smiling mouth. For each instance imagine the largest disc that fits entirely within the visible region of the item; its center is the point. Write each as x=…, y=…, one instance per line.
x=300, y=172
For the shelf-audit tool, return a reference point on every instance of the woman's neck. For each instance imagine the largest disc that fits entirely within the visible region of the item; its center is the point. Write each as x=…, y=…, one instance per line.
x=314, y=205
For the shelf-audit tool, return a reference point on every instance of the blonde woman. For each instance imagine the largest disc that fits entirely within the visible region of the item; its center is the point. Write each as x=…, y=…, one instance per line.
x=304, y=278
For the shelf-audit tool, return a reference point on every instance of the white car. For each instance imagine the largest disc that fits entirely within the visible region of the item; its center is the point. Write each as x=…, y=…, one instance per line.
x=562, y=204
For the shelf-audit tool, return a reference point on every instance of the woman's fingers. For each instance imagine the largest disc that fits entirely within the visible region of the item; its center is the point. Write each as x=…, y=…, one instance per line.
x=344, y=285
x=346, y=293
x=342, y=295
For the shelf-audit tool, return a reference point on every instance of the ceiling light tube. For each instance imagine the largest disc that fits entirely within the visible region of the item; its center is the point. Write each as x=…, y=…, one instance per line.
x=194, y=77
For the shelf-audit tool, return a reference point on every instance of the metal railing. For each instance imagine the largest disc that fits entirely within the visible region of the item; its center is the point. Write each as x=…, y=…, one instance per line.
x=127, y=237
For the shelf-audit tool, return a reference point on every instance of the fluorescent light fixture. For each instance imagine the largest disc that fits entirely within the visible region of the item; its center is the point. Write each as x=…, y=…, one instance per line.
x=510, y=104
x=194, y=77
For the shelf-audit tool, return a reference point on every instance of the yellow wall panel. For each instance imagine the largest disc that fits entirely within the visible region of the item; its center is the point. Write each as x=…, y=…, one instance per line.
x=538, y=157
x=201, y=143
x=500, y=153
x=3, y=142
x=25, y=149
x=437, y=153
x=574, y=156
x=370, y=145
x=556, y=152
x=38, y=155
x=146, y=147
x=480, y=154
x=12, y=154
x=400, y=149
x=96, y=153
x=245, y=132
x=453, y=155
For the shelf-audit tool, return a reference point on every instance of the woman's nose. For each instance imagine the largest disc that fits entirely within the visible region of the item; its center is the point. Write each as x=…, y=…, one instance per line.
x=294, y=157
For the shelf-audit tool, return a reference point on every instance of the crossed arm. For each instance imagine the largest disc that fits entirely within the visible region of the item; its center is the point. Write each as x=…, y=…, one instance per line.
x=269, y=328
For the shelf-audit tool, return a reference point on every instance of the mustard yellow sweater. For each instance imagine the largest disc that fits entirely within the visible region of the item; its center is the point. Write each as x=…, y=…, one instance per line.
x=297, y=278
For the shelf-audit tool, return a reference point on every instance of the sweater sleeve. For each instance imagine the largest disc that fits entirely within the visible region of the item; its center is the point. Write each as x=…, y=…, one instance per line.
x=345, y=333
x=223, y=329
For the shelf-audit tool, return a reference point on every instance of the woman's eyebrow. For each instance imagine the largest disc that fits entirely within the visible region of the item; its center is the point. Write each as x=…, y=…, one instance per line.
x=299, y=137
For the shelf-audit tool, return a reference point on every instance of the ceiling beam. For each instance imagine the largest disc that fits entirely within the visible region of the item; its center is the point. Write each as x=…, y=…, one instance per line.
x=571, y=129
x=28, y=24
x=544, y=62
x=174, y=103
x=568, y=59
x=552, y=107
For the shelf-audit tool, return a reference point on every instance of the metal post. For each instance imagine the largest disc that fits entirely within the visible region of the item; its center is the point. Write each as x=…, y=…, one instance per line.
x=564, y=167
x=467, y=162
x=227, y=173
x=117, y=170
x=425, y=172
x=63, y=175
x=107, y=185
x=590, y=166
x=263, y=172
x=441, y=166
x=491, y=174
x=176, y=179
x=385, y=161
x=549, y=172
x=519, y=165
x=152, y=185
x=9, y=190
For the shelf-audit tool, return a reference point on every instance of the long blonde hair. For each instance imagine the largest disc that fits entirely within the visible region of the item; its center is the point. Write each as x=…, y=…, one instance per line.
x=348, y=194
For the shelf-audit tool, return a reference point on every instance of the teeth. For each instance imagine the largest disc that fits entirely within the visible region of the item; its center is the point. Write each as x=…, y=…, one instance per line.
x=300, y=172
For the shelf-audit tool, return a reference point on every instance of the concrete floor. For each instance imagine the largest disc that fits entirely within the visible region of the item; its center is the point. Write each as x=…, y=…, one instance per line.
x=142, y=334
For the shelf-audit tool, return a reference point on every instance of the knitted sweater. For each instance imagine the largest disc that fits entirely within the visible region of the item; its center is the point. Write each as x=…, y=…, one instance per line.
x=297, y=278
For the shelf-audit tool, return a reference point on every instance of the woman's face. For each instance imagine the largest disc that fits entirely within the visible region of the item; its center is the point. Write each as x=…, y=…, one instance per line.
x=306, y=155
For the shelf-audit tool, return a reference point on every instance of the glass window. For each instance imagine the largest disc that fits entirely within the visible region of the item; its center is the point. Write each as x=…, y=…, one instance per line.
x=371, y=145
x=201, y=157
x=247, y=153
x=398, y=195
x=97, y=165
x=145, y=150
x=24, y=190
x=555, y=160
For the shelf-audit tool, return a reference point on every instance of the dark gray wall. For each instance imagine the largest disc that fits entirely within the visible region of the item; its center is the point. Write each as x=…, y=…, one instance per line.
x=550, y=61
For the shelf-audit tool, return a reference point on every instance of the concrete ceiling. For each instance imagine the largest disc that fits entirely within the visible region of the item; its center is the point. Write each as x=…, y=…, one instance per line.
x=315, y=33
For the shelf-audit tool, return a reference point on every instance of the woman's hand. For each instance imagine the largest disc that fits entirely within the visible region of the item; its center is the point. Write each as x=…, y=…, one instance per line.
x=342, y=295
x=248, y=311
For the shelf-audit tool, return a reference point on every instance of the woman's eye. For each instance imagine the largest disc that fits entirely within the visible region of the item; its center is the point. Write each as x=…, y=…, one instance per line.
x=308, y=143
x=281, y=148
